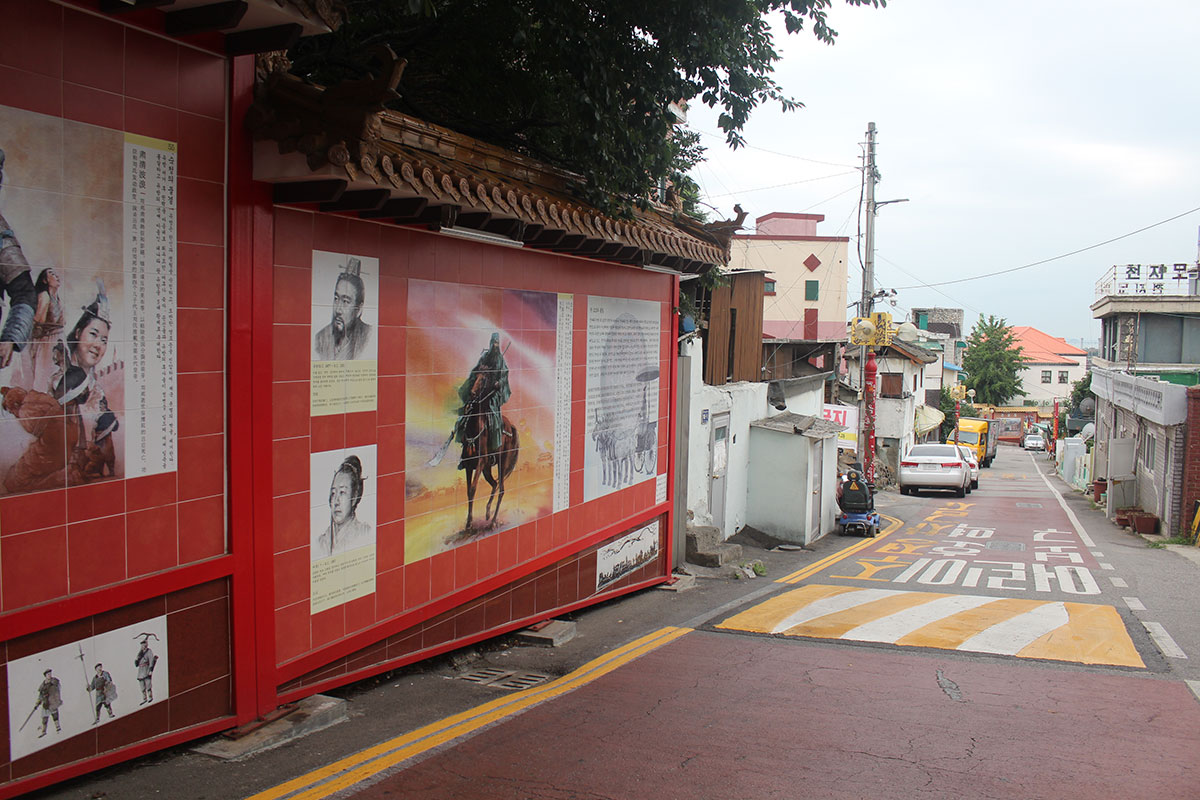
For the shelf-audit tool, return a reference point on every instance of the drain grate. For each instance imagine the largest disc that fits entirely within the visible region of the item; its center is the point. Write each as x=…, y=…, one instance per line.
x=1000, y=544
x=504, y=678
x=1029, y=505
x=524, y=680
x=486, y=675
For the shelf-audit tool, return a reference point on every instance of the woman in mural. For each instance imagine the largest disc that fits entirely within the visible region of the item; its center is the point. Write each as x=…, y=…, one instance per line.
x=346, y=531
x=87, y=344
x=48, y=321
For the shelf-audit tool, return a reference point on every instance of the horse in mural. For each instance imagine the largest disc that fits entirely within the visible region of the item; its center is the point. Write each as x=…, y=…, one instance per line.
x=479, y=459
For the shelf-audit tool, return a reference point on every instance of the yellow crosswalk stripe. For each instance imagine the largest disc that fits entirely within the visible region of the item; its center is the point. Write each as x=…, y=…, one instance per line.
x=1086, y=637
x=1045, y=629
x=951, y=632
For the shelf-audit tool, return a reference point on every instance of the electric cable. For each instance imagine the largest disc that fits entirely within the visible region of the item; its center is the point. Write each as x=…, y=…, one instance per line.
x=1053, y=258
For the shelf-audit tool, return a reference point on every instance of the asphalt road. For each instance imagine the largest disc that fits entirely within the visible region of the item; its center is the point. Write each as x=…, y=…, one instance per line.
x=1010, y=644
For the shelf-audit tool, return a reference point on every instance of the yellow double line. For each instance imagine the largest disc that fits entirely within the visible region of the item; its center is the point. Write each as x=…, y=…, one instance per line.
x=363, y=765
x=815, y=567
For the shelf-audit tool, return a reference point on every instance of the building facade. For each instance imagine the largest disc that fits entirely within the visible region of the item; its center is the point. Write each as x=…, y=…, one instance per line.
x=1149, y=356
x=1051, y=366
x=316, y=390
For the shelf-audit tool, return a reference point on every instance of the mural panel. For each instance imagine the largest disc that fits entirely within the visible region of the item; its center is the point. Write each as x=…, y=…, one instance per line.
x=69, y=690
x=345, y=318
x=481, y=395
x=87, y=271
x=622, y=394
x=342, y=524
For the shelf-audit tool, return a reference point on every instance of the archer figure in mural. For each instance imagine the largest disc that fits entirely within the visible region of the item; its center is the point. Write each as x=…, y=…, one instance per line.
x=346, y=531
x=106, y=692
x=489, y=441
x=346, y=335
x=17, y=285
x=146, y=661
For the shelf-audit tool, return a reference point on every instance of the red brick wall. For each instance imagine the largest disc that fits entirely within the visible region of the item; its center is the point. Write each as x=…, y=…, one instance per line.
x=1191, y=465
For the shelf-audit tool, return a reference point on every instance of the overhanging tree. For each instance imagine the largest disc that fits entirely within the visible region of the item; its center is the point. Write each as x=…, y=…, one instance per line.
x=1081, y=390
x=586, y=84
x=993, y=362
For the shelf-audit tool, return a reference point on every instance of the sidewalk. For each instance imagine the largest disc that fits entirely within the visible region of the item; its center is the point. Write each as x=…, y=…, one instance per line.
x=420, y=694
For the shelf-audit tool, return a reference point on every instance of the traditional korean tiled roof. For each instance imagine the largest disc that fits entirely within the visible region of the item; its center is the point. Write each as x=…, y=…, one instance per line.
x=341, y=148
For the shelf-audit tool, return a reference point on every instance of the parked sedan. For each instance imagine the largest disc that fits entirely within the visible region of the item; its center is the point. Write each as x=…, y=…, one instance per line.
x=1034, y=441
x=934, y=466
x=973, y=462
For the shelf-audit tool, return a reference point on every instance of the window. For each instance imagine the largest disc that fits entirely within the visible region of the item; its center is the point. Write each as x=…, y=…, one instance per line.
x=1062, y=376
x=768, y=287
x=891, y=384
x=1045, y=376
x=811, y=291
x=1149, y=450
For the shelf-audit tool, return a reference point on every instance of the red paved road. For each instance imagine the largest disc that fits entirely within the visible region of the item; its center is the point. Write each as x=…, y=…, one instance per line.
x=717, y=715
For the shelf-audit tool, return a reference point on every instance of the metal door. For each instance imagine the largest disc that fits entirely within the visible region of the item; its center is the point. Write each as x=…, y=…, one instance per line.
x=816, y=459
x=719, y=460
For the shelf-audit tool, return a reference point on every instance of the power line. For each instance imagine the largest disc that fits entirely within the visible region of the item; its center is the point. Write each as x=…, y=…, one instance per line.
x=1054, y=258
x=780, y=185
x=784, y=155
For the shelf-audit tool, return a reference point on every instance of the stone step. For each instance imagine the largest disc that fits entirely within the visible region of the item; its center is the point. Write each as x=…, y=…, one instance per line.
x=705, y=548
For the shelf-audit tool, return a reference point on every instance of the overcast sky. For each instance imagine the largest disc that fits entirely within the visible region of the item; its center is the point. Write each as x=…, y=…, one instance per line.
x=1018, y=131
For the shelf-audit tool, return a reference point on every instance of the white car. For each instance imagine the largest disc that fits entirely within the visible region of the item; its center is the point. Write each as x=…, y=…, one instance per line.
x=935, y=466
x=973, y=462
x=1033, y=441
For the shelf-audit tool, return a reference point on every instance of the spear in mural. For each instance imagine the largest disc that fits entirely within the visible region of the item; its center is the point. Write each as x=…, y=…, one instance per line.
x=87, y=683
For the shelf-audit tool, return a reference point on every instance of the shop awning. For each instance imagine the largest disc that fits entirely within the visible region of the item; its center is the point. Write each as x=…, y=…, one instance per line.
x=927, y=418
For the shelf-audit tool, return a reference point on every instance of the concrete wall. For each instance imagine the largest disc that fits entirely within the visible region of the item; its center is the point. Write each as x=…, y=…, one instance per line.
x=745, y=402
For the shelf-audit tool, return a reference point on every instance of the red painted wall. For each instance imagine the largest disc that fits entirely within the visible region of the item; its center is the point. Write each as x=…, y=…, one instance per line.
x=408, y=596
x=79, y=561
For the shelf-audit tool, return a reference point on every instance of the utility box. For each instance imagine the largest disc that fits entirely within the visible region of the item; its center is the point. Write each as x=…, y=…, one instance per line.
x=793, y=476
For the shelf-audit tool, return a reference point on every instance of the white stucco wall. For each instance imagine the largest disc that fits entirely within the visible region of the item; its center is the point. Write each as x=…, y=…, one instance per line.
x=745, y=403
x=1037, y=392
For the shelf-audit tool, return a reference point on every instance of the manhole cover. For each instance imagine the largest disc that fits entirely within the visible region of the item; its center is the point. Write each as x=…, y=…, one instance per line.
x=504, y=678
x=1029, y=505
x=486, y=675
x=1001, y=545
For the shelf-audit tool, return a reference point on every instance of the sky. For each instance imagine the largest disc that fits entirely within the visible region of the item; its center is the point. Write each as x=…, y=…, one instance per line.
x=1018, y=132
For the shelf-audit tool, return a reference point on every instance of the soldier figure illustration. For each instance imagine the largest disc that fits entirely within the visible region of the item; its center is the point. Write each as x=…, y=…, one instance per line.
x=49, y=698
x=346, y=531
x=484, y=392
x=105, y=692
x=146, y=661
x=346, y=335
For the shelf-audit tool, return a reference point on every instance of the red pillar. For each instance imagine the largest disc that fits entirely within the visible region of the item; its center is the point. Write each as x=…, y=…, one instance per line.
x=868, y=454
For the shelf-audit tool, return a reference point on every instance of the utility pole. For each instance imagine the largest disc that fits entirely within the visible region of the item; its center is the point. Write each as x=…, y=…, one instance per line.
x=866, y=434
x=871, y=177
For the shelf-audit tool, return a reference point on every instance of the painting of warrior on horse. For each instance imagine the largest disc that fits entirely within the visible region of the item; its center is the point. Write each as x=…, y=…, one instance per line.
x=480, y=413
